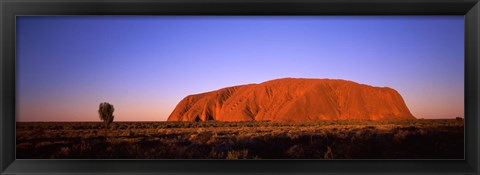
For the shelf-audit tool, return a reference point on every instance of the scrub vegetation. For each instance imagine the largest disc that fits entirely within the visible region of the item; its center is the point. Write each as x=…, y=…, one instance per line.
x=406, y=139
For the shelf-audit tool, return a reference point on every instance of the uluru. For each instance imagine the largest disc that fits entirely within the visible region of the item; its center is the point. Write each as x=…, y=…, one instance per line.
x=294, y=100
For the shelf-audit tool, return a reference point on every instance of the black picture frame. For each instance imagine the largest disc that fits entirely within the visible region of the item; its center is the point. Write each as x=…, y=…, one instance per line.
x=11, y=8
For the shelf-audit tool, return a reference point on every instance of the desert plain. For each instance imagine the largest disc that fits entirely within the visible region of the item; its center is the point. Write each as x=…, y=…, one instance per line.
x=403, y=139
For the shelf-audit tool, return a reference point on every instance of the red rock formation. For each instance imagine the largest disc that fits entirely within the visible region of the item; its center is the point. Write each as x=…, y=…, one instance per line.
x=294, y=100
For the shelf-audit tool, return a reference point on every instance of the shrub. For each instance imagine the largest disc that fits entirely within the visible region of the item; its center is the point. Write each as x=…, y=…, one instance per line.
x=296, y=151
x=328, y=154
x=232, y=155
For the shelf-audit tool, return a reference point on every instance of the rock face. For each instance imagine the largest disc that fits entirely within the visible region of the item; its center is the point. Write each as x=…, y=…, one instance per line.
x=294, y=100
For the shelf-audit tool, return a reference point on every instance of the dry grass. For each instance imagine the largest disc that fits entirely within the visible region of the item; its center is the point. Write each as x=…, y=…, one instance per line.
x=410, y=139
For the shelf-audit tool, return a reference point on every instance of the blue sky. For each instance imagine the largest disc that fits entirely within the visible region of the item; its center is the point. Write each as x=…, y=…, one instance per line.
x=144, y=65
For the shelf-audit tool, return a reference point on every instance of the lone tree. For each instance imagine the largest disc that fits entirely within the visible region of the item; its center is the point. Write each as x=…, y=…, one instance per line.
x=105, y=111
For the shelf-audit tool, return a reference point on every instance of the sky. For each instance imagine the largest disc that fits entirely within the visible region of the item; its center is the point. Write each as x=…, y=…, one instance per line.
x=144, y=65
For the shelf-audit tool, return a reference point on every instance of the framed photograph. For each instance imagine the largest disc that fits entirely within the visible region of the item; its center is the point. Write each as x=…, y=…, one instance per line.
x=241, y=87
